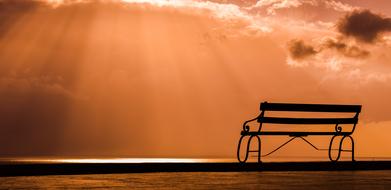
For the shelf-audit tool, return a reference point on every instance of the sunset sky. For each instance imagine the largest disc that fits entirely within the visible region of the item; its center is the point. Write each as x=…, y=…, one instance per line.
x=177, y=78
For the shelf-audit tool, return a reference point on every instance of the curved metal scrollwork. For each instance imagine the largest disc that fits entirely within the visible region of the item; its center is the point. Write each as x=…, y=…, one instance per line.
x=248, y=148
x=340, y=147
x=338, y=128
x=246, y=128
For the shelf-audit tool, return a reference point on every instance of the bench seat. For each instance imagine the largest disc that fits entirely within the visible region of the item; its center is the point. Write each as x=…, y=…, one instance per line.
x=293, y=134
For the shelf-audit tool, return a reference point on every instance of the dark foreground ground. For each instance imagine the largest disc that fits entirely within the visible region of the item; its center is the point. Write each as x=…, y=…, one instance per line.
x=35, y=169
x=307, y=180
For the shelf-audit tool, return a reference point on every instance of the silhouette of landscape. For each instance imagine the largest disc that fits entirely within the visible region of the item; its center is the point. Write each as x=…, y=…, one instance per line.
x=36, y=169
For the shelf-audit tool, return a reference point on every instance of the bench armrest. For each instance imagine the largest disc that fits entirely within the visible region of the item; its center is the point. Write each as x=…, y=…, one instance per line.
x=246, y=127
x=339, y=129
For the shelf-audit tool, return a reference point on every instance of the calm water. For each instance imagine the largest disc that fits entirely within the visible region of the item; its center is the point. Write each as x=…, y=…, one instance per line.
x=208, y=180
x=196, y=180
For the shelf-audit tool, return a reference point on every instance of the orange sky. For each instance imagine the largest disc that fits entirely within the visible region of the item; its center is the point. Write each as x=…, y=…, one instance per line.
x=177, y=78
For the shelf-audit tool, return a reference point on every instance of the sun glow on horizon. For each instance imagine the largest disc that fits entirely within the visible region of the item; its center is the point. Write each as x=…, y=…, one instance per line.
x=159, y=78
x=112, y=160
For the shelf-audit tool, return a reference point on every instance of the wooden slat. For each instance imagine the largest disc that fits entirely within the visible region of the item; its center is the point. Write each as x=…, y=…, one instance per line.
x=281, y=120
x=310, y=107
x=298, y=134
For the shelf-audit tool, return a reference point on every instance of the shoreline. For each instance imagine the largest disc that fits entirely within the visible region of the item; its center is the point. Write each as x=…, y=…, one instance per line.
x=37, y=169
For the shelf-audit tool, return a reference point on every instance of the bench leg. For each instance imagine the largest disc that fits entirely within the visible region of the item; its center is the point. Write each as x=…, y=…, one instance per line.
x=352, y=143
x=340, y=147
x=330, y=149
x=238, y=151
x=248, y=148
x=259, y=148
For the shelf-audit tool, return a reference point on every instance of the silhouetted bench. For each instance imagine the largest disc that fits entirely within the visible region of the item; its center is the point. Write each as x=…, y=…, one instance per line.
x=336, y=122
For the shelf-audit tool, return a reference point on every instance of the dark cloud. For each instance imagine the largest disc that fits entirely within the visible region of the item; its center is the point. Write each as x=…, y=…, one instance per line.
x=299, y=50
x=11, y=11
x=345, y=49
x=38, y=70
x=33, y=112
x=364, y=25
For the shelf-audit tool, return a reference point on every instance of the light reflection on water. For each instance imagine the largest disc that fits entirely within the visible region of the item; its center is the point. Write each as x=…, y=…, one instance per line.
x=207, y=180
x=108, y=160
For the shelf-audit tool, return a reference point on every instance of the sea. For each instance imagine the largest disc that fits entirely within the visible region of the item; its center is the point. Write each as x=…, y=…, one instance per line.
x=377, y=179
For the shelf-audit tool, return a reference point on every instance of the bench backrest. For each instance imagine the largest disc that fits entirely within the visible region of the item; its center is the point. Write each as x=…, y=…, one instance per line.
x=265, y=106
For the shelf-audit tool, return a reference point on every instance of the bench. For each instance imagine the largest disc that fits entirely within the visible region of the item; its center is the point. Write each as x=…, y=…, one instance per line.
x=335, y=122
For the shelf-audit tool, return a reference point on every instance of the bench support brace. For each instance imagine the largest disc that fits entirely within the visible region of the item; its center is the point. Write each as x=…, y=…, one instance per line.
x=291, y=139
x=259, y=147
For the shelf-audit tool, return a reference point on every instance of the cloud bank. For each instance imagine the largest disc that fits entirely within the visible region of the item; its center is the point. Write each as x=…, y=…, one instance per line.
x=355, y=31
